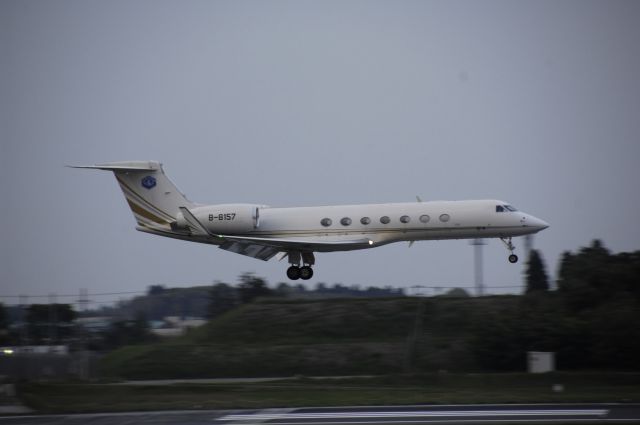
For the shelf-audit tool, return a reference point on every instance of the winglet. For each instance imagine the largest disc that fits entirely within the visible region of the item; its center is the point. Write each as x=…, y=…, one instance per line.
x=192, y=222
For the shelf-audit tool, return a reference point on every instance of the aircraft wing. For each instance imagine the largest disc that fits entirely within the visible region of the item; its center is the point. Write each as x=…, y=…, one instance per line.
x=266, y=248
x=253, y=250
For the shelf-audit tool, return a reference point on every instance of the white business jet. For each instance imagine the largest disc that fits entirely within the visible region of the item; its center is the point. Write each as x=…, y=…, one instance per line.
x=262, y=232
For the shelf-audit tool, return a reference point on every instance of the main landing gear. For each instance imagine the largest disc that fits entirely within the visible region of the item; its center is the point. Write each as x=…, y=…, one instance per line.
x=296, y=272
x=304, y=272
x=513, y=258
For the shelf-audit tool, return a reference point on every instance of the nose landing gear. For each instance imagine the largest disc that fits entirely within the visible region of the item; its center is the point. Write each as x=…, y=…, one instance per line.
x=513, y=258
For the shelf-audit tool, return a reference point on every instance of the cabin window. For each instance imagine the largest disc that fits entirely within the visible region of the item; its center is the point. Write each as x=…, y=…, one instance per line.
x=384, y=219
x=326, y=222
x=444, y=218
x=405, y=219
x=424, y=218
x=365, y=220
x=345, y=221
x=499, y=208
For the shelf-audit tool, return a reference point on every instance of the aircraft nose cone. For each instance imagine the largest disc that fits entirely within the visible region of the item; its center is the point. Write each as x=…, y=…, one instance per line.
x=533, y=223
x=538, y=223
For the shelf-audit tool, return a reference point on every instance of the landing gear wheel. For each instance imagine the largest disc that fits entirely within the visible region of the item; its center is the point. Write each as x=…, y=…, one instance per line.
x=293, y=273
x=513, y=258
x=306, y=273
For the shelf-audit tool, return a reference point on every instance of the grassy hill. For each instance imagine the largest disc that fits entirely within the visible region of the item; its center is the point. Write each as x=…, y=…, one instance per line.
x=309, y=322
x=432, y=388
x=275, y=337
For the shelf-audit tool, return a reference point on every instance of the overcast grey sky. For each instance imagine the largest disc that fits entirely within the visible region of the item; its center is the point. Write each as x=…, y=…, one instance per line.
x=297, y=103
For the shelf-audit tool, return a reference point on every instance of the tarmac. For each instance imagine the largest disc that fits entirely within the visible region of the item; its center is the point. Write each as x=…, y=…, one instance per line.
x=421, y=414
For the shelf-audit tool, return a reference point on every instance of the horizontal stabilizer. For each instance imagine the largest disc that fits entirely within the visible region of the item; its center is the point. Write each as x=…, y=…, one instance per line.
x=122, y=166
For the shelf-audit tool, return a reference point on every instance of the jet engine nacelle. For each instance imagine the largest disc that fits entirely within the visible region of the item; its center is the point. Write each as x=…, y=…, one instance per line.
x=225, y=219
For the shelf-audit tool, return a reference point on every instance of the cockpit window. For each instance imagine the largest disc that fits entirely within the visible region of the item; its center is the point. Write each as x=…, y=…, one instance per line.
x=503, y=208
x=510, y=208
x=499, y=208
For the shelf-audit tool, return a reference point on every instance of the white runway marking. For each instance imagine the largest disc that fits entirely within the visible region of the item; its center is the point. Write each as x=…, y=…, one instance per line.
x=465, y=421
x=260, y=416
x=415, y=414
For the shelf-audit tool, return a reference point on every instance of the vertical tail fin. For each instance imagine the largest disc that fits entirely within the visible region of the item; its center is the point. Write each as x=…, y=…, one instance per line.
x=152, y=197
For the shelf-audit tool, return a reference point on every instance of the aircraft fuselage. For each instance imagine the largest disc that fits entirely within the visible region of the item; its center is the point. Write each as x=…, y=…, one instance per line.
x=380, y=223
x=262, y=232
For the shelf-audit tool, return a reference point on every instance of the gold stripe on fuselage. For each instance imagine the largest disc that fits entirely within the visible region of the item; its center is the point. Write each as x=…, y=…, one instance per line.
x=146, y=214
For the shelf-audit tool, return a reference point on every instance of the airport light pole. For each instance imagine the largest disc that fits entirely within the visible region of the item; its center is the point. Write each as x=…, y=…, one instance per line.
x=477, y=263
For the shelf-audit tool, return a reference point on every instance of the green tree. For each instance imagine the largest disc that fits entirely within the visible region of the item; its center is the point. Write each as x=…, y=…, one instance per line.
x=536, y=276
x=41, y=317
x=222, y=298
x=455, y=293
x=128, y=332
x=4, y=325
x=601, y=300
x=3, y=317
x=155, y=290
x=252, y=287
x=594, y=276
x=573, y=286
x=496, y=343
x=616, y=336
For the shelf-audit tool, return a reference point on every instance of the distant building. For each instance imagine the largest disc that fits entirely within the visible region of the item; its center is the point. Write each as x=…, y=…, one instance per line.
x=175, y=326
x=541, y=361
x=60, y=350
x=95, y=324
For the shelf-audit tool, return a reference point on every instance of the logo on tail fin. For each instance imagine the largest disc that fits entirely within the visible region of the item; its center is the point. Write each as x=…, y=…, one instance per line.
x=149, y=182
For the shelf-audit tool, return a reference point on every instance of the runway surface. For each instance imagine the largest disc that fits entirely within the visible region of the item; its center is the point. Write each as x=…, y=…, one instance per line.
x=426, y=414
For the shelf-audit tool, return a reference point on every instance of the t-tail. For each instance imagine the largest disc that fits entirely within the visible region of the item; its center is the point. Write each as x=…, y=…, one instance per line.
x=154, y=200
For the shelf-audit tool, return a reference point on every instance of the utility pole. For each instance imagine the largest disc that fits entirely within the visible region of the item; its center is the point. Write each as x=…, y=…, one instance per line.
x=53, y=319
x=83, y=299
x=24, y=338
x=477, y=262
x=83, y=302
x=24, y=301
